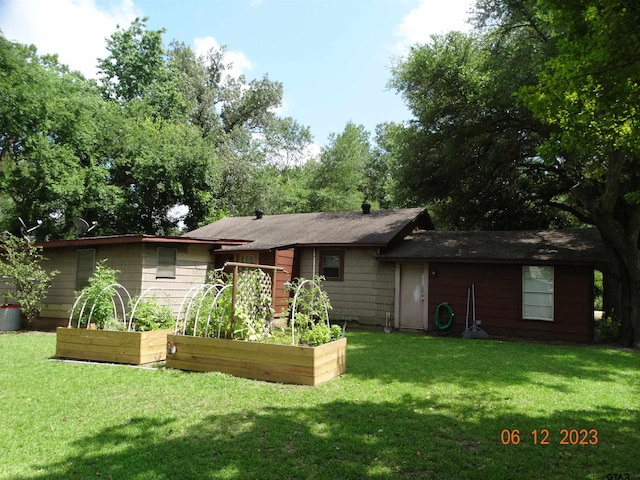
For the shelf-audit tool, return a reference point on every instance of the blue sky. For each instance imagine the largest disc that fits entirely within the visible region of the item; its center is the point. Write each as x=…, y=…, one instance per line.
x=332, y=56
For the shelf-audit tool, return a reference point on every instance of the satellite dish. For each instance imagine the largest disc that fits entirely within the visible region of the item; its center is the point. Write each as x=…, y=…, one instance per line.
x=82, y=226
x=25, y=231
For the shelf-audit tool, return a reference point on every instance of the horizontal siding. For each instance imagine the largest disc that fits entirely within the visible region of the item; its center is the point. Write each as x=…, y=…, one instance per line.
x=367, y=291
x=192, y=263
x=61, y=296
x=136, y=264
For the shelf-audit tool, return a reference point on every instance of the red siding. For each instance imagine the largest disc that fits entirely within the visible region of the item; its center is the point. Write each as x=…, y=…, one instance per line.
x=498, y=291
x=284, y=259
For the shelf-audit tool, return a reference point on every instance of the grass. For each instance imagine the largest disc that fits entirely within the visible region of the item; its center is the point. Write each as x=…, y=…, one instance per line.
x=410, y=406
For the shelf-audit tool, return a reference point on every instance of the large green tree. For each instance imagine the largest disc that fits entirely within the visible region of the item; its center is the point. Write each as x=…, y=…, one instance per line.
x=470, y=150
x=50, y=150
x=136, y=73
x=337, y=179
x=530, y=122
x=253, y=143
x=589, y=93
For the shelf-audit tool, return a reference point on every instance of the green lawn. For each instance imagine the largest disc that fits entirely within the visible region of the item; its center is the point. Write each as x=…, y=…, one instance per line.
x=410, y=406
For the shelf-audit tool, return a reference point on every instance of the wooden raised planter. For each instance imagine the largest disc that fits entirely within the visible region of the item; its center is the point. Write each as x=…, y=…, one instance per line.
x=261, y=361
x=134, y=348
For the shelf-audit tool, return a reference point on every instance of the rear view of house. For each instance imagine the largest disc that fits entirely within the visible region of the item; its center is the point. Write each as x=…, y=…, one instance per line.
x=379, y=267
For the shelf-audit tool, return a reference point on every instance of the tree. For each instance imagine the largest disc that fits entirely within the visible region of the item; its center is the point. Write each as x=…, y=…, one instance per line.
x=50, y=123
x=534, y=113
x=338, y=179
x=136, y=72
x=470, y=150
x=253, y=144
x=589, y=93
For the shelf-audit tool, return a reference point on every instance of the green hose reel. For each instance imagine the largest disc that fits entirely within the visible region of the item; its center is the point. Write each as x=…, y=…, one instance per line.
x=444, y=321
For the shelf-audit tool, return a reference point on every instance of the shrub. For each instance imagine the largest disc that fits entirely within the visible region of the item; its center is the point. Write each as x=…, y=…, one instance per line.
x=20, y=260
x=607, y=329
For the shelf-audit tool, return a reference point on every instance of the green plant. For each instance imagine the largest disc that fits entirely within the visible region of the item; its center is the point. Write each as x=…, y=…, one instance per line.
x=149, y=315
x=113, y=323
x=98, y=297
x=253, y=311
x=607, y=329
x=336, y=332
x=598, y=290
x=320, y=333
x=204, y=311
x=20, y=260
x=312, y=307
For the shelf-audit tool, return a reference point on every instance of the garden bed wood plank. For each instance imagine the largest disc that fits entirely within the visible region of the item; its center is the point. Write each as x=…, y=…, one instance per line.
x=134, y=348
x=277, y=363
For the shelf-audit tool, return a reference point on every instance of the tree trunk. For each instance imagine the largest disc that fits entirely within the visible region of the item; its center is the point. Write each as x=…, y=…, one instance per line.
x=622, y=288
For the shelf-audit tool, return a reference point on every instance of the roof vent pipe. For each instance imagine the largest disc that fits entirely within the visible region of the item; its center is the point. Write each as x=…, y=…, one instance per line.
x=259, y=214
x=366, y=208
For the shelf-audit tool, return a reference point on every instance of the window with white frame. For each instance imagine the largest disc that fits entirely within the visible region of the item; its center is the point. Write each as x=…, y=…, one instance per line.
x=166, y=266
x=537, y=293
x=85, y=266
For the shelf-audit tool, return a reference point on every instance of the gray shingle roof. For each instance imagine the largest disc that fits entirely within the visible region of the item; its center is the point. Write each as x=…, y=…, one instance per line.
x=321, y=228
x=579, y=245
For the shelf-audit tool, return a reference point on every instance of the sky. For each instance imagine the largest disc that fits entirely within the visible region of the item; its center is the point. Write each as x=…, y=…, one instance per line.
x=333, y=57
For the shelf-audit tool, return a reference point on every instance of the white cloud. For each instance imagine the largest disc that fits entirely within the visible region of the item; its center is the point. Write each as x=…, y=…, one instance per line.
x=240, y=64
x=74, y=29
x=433, y=17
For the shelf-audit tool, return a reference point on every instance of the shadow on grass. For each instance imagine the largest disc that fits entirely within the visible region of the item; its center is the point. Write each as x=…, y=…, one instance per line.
x=428, y=360
x=409, y=438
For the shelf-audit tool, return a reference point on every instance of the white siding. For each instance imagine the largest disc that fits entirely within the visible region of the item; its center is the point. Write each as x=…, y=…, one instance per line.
x=367, y=292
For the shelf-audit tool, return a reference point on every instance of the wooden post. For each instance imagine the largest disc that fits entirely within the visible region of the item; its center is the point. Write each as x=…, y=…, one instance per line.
x=233, y=298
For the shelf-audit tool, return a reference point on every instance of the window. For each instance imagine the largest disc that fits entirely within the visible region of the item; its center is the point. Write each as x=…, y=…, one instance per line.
x=537, y=293
x=85, y=266
x=332, y=265
x=247, y=258
x=166, y=266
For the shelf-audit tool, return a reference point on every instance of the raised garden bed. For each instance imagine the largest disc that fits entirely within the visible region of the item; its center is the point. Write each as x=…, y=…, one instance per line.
x=302, y=365
x=135, y=348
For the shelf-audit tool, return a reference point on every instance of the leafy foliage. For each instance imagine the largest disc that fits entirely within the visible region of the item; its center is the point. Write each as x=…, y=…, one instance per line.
x=253, y=309
x=338, y=178
x=162, y=129
x=20, y=261
x=149, y=315
x=97, y=300
x=529, y=122
x=312, y=305
x=607, y=329
x=210, y=312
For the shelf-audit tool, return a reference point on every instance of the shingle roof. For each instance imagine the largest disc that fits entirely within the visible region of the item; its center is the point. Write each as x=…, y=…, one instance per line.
x=579, y=245
x=377, y=228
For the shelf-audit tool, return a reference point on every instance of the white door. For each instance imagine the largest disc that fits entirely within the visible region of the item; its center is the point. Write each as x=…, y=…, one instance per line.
x=412, y=296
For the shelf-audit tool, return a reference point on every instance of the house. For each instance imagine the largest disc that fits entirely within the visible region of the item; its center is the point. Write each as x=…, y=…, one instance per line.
x=168, y=265
x=341, y=246
x=534, y=284
x=379, y=267
x=391, y=265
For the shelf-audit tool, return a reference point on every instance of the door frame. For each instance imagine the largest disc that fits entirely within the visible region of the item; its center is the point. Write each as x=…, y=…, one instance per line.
x=425, y=294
